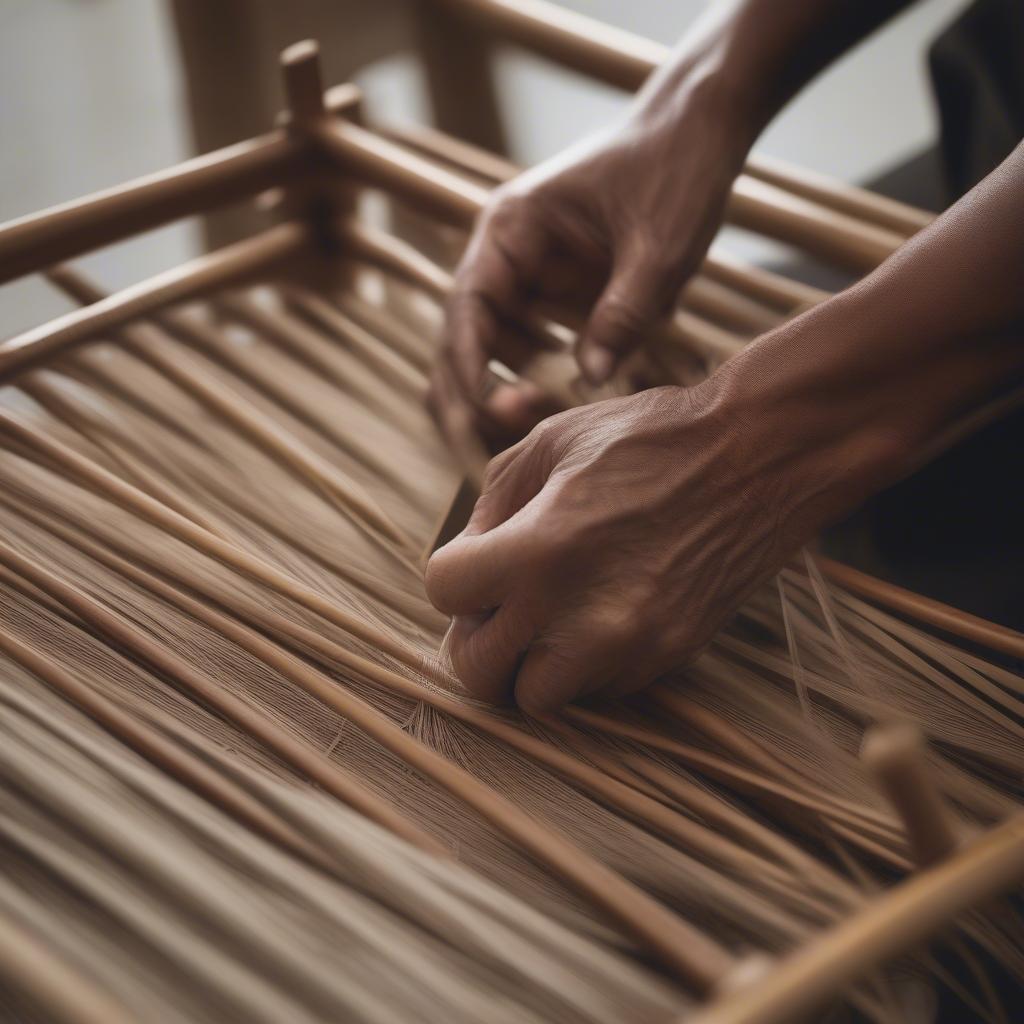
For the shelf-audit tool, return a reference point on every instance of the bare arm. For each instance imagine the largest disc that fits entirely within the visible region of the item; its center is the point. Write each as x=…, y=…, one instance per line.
x=617, y=224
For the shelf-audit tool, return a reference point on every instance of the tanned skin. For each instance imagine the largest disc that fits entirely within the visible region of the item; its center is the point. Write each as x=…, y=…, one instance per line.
x=614, y=540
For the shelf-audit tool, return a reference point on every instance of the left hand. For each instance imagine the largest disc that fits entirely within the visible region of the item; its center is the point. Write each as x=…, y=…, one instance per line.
x=610, y=545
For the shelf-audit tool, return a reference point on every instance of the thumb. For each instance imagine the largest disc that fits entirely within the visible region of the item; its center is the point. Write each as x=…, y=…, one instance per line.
x=471, y=573
x=638, y=293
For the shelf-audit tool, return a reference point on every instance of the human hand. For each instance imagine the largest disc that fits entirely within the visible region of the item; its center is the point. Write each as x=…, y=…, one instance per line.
x=608, y=231
x=611, y=544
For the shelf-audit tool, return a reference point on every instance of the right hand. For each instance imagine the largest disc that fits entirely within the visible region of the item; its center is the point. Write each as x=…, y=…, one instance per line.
x=608, y=233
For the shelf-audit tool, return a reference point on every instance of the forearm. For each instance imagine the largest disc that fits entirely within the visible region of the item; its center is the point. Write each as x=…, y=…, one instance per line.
x=752, y=56
x=862, y=389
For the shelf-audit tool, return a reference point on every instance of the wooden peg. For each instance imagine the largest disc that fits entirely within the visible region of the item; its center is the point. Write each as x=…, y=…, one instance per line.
x=303, y=83
x=896, y=756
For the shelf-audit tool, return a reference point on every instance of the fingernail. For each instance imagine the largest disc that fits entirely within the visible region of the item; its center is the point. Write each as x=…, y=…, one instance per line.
x=597, y=364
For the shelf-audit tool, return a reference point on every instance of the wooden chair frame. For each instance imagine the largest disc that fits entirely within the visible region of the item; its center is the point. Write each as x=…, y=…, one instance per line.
x=446, y=179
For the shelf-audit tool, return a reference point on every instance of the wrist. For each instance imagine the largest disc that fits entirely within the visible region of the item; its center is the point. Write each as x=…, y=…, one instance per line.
x=715, y=75
x=822, y=428
x=704, y=89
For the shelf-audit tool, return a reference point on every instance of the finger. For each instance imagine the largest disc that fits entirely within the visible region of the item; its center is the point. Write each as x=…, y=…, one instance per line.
x=637, y=295
x=478, y=569
x=475, y=572
x=485, y=651
x=502, y=258
x=559, y=668
x=471, y=336
x=519, y=407
x=469, y=575
x=506, y=407
x=586, y=650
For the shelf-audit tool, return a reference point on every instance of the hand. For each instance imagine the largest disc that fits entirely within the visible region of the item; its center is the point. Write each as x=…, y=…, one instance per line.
x=610, y=545
x=609, y=231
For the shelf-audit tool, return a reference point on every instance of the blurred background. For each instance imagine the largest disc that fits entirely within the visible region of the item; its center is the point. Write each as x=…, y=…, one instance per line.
x=93, y=92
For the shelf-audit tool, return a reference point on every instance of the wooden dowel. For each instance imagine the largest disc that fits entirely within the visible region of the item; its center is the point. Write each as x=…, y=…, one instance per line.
x=228, y=265
x=204, y=338
x=887, y=213
x=728, y=306
x=573, y=40
x=404, y=339
x=390, y=365
x=487, y=167
x=721, y=814
x=303, y=86
x=836, y=237
x=924, y=609
x=897, y=757
x=772, y=289
x=396, y=256
x=224, y=176
x=383, y=164
x=122, y=451
x=740, y=744
x=622, y=59
x=727, y=770
x=902, y=918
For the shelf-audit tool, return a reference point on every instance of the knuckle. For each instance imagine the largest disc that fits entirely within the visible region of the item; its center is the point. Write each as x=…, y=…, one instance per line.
x=540, y=436
x=622, y=315
x=617, y=623
x=548, y=437
x=498, y=469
